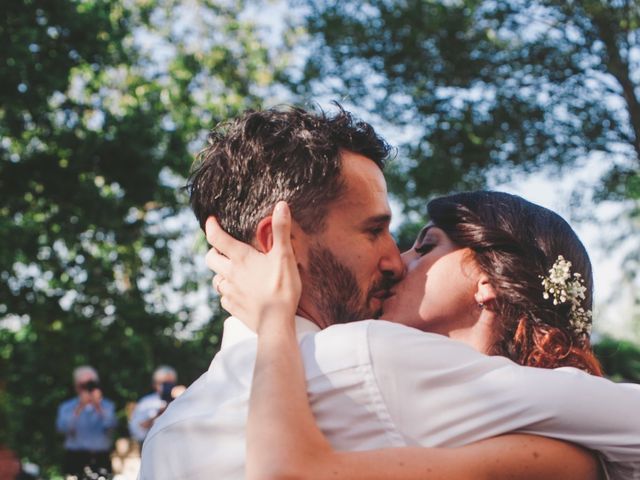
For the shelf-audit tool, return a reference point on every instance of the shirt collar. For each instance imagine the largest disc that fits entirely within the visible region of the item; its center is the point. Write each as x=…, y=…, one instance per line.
x=235, y=331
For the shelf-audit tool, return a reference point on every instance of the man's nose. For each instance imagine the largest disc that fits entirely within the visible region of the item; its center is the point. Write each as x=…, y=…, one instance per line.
x=391, y=262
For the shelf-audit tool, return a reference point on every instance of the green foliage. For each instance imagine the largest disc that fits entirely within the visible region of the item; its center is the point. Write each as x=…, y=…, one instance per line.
x=620, y=359
x=484, y=88
x=481, y=90
x=102, y=104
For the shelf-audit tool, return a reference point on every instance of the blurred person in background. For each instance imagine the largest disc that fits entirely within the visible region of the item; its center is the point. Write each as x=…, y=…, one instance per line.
x=150, y=407
x=87, y=422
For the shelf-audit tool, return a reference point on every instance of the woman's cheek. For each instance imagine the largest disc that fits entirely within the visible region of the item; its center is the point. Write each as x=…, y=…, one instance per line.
x=430, y=306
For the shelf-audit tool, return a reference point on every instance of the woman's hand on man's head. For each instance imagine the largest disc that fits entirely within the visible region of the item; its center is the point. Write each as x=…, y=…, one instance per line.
x=256, y=287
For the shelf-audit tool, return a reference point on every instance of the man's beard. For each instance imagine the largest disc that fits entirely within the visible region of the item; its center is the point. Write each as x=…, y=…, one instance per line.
x=333, y=289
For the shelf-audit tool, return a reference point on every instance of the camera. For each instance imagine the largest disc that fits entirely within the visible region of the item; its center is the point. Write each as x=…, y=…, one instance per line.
x=90, y=386
x=166, y=392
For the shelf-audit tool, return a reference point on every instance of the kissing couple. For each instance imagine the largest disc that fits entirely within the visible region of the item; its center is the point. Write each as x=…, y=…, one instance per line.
x=475, y=362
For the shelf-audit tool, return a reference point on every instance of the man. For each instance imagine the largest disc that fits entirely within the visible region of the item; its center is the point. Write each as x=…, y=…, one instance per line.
x=151, y=406
x=87, y=422
x=370, y=387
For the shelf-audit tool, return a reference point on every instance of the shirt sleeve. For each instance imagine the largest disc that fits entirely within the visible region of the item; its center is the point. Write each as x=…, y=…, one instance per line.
x=109, y=419
x=440, y=392
x=65, y=419
x=138, y=416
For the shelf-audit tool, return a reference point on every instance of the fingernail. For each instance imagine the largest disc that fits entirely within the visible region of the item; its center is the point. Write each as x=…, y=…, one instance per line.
x=281, y=208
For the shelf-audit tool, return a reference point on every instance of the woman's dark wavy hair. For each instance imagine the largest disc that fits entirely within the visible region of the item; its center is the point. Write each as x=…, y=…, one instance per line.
x=515, y=242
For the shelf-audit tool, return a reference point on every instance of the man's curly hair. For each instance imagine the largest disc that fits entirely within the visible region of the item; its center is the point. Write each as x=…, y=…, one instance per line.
x=261, y=157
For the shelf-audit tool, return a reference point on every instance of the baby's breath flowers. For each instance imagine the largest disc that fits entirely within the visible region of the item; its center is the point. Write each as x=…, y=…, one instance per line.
x=563, y=286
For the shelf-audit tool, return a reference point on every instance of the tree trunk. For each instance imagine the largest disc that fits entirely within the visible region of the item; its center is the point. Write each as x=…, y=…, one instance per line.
x=619, y=68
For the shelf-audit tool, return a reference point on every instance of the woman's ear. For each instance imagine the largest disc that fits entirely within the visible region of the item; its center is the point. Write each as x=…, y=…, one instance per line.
x=264, y=235
x=485, y=292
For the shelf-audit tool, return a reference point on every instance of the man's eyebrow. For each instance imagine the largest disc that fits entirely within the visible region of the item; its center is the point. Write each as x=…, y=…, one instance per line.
x=382, y=219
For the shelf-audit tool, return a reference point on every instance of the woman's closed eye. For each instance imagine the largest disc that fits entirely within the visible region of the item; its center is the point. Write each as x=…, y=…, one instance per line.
x=424, y=248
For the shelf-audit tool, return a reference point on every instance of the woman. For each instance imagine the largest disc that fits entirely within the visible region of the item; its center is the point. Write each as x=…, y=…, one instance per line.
x=511, y=244
x=518, y=284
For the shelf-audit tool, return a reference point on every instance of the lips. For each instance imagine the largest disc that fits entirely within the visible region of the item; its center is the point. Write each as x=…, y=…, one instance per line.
x=382, y=294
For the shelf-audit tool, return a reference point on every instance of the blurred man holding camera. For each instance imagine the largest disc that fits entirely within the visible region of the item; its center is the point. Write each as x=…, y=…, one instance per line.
x=151, y=406
x=87, y=422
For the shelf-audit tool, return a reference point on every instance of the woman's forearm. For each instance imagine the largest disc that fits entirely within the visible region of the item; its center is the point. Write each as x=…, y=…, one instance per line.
x=284, y=442
x=510, y=457
x=282, y=435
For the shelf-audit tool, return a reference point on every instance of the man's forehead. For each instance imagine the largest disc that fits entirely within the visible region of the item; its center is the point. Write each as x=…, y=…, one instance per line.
x=361, y=170
x=83, y=377
x=365, y=186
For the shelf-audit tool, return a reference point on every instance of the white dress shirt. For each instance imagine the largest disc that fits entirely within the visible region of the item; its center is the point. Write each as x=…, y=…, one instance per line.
x=375, y=384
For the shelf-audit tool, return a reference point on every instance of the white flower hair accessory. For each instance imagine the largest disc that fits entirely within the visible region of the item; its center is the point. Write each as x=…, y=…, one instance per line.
x=563, y=287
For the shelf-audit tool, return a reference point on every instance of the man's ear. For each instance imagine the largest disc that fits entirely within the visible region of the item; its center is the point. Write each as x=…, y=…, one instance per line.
x=485, y=292
x=264, y=239
x=264, y=235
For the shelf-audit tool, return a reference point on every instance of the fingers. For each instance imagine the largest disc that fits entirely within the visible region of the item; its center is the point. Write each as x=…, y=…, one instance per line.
x=228, y=295
x=231, y=299
x=281, y=227
x=226, y=304
x=216, y=281
x=217, y=262
x=222, y=241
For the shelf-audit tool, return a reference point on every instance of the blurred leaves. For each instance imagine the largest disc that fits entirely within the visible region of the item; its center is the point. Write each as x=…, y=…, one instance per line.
x=480, y=91
x=620, y=359
x=102, y=104
x=486, y=89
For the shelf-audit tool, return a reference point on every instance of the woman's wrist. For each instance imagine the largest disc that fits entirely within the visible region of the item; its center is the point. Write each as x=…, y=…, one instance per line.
x=276, y=321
